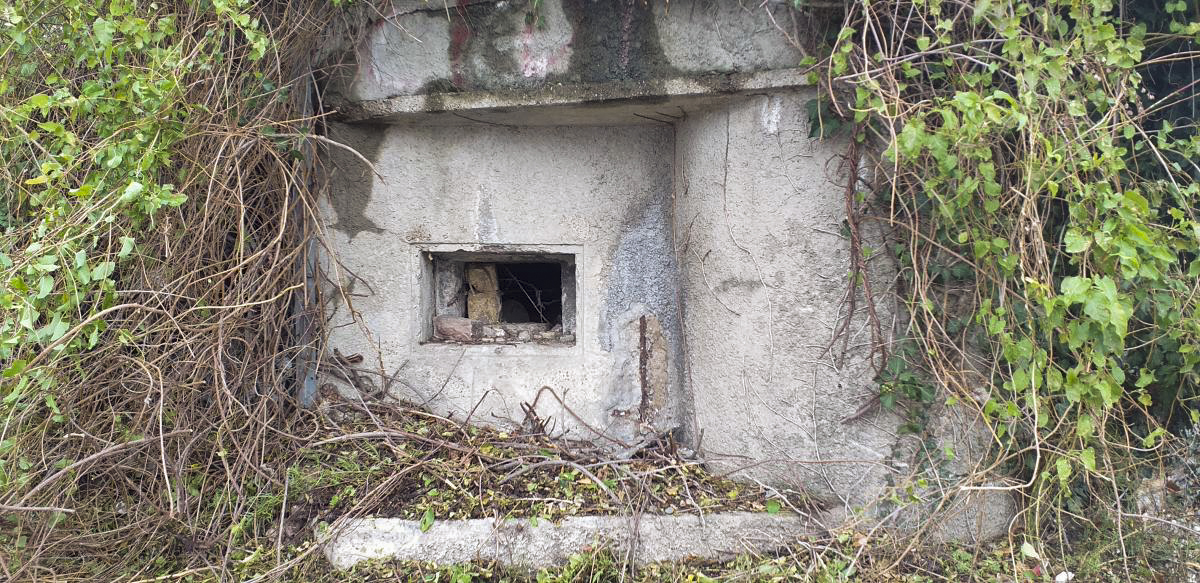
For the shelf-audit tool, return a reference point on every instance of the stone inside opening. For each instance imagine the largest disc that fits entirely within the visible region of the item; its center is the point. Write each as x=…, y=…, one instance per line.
x=485, y=298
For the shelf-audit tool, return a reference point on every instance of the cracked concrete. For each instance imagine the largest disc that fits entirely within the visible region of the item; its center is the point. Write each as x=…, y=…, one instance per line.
x=709, y=274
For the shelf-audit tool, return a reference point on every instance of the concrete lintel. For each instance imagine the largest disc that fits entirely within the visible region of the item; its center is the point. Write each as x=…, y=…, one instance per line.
x=607, y=103
x=655, y=538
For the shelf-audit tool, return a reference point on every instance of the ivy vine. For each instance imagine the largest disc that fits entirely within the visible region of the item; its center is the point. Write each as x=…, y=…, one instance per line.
x=1038, y=168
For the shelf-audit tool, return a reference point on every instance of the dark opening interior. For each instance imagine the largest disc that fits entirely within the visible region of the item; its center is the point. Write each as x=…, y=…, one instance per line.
x=530, y=292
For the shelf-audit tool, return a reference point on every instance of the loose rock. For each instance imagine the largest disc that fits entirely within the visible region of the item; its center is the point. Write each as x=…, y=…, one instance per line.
x=456, y=328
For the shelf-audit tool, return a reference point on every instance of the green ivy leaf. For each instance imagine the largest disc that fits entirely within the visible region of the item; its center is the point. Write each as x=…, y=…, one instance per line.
x=773, y=506
x=1152, y=439
x=1076, y=242
x=1088, y=458
x=1085, y=426
x=126, y=247
x=45, y=286
x=1063, y=466
x=102, y=31
x=39, y=101
x=132, y=191
x=103, y=270
x=16, y=368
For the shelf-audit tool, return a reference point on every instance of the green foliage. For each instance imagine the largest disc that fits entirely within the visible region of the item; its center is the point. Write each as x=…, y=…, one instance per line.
x=823, y=122
x=92, y=109
x=1021, y=142
x=139, y=181
x=1030, y=170
x=901, y=382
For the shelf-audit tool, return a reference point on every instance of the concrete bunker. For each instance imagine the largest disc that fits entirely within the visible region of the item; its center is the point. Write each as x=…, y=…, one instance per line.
x=693, y=220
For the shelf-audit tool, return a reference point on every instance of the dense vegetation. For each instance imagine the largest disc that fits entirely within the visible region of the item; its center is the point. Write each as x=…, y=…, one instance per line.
x=1032, y=162
x=1038, y=178
x=156, y=195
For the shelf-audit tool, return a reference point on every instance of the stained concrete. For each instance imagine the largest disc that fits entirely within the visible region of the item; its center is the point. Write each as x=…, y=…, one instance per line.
x=518, y=542
x=715, y=36
x=710, y=270
x=487, y=188
x=764, y=283
x=955, y=507
x=426, y=48
x=612, y=103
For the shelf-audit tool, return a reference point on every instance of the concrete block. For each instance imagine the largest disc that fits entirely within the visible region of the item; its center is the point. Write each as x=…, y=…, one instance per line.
x=646, y=538
x=595, y=199
x=503, y=46
x=661, y=153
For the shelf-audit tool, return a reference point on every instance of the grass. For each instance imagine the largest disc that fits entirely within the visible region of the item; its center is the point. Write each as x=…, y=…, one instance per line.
x=428, y=468
x=388, y=459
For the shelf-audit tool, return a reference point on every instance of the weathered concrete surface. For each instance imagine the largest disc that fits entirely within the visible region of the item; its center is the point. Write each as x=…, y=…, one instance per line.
x=764, y=273
x=956, y=507
x=764, y=279
x=645, y=539
x=614, y=103
x=429, y=48
x=669, y=154
x=711, y=278
x=602, y=194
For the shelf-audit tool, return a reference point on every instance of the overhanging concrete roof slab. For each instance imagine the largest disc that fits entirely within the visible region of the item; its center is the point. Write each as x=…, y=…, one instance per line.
x=615, y=103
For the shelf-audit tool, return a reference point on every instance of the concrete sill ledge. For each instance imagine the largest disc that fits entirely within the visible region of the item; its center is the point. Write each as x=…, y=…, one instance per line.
x=653, y=538
x=626, y=101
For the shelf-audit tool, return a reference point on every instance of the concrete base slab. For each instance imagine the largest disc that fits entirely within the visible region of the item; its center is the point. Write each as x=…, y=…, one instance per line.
x=518, y=542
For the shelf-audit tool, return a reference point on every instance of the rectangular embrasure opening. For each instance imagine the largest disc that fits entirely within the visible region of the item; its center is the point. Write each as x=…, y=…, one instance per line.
x=487, y=298
x=528, y=292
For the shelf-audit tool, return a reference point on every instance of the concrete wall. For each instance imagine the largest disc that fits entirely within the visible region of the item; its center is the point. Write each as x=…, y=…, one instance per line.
x=733, y=213
x=601, y=193
x=711, y=268
x=429, y=48
x=764, y=271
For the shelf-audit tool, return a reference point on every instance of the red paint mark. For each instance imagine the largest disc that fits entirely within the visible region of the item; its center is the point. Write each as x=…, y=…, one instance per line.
x=366, y=63
x=460, y=35
x=539, y=62
x=528, y=67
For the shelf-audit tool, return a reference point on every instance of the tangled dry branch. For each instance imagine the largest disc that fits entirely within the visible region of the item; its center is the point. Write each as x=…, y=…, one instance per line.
x=184, y=414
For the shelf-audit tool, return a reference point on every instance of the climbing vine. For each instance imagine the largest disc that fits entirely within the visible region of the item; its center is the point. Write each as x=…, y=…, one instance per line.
x=1037, y=174
x=85, y=154
x=154, y=206
x=1036, y=169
